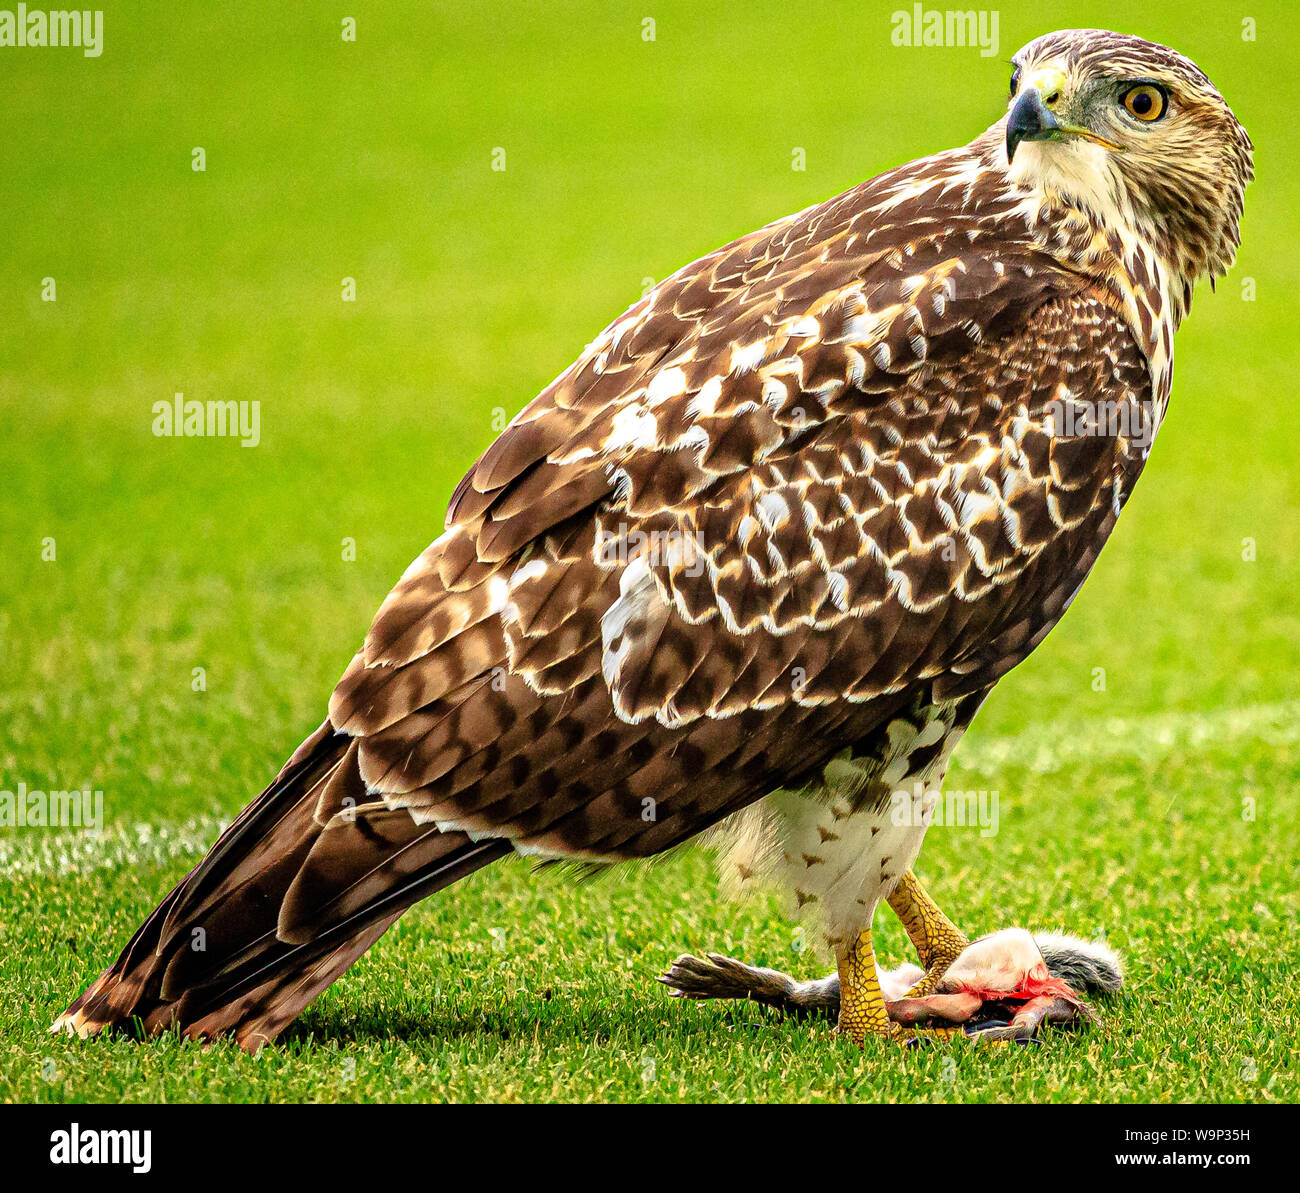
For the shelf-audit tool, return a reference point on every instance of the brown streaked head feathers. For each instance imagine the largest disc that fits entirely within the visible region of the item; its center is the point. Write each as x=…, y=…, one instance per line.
x=1181, y=177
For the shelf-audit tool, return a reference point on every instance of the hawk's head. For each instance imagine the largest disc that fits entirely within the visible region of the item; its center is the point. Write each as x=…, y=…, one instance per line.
x=1134, y=134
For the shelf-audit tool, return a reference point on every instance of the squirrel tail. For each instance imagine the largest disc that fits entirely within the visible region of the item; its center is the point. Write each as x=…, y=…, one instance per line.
x=1090, y=966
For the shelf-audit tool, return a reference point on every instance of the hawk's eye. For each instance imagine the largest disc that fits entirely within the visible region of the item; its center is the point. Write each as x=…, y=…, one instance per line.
x=1015, y=80
x=1146, y=101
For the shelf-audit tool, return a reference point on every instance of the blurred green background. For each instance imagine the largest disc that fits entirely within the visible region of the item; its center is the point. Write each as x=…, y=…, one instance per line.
x=1122, y=808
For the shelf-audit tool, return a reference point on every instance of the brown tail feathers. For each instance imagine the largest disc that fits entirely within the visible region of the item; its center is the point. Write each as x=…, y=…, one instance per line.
x=310, y=875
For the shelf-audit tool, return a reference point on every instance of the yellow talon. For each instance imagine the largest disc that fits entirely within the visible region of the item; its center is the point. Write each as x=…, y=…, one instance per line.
x=931, y=1035
x=938, y=943
x=937, y=940
x=862, y=1006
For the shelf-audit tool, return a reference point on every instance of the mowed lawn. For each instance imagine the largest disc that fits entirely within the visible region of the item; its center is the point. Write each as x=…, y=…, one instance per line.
x=1146, y=759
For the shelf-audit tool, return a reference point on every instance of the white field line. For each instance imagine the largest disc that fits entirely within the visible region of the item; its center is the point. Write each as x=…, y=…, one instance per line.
x=31, y=851
x=1052, y=746
x=1044, y=748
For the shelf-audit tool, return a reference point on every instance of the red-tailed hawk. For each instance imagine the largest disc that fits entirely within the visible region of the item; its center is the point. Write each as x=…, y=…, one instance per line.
x=773, y=536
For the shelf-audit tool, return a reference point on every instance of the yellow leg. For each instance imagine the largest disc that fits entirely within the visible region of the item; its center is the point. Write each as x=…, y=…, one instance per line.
x=862, y=1006
x=937, y=940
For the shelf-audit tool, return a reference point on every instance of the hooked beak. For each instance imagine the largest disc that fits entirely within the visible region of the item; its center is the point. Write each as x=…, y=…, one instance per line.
x=1030, y=120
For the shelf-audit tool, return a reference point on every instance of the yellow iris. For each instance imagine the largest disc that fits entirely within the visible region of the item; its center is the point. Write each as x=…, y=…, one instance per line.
x=1145, y=101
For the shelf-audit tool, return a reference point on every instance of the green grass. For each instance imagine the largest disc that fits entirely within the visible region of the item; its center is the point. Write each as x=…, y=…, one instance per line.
x=1120, y=810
